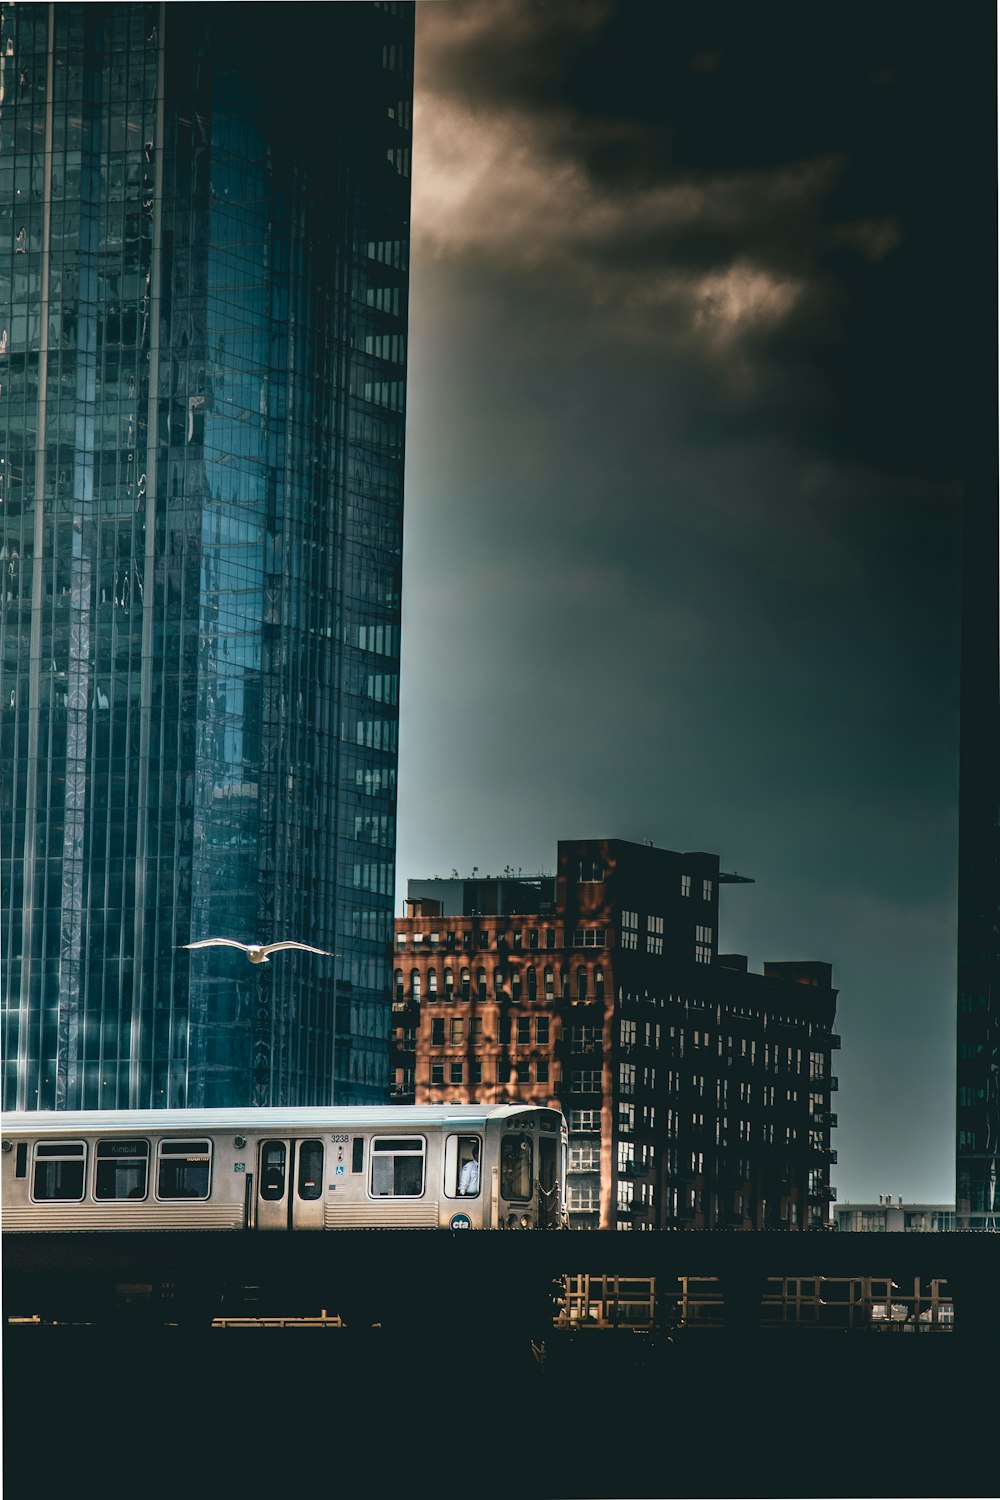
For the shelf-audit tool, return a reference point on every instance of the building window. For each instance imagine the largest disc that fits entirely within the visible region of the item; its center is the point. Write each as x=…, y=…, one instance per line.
x=532, y=937
x=598, y=984
x=585, y=1038
x=588, y=937
x=456, y=1072
x=449, y=984
x=626, y=1117
x=685, y=885
x=591, y=869
x=476, y=1030
x=475, y=1072
x=498, y=982
x=432, y=983
x=466, y=984
x=415, y=984
x=584, y=1120
x=626, y=1033
x=523, y=1030
x=542, y=1030
x=531, y=981
x=549, y=984
x=706, y=890
x=397, y=984
x=585, y=1082
x=630, y=929
x=522, y=1072
x=515, y=985
x=457, y=1031
x=585, y=1156
x=437, y=1031
x=626, y=1078
x=584, y=1197
x=581, y=983
x=481, y=984
x=542, y=1071
x=437, y=1075
x=703, y=945
x=654, y=934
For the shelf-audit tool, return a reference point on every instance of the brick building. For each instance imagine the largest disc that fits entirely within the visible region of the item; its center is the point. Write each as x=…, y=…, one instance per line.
x=697, y=1093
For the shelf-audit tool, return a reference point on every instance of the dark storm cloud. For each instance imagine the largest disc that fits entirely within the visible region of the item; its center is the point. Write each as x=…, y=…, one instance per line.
x=764, y=195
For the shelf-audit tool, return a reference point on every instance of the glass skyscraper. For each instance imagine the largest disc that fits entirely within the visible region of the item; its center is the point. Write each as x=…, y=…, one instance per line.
x=204, y=237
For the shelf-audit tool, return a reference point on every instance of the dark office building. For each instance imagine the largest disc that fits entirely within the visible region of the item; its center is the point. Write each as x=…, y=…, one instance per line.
x=977, y=1178
x=204, y=236
x=698, y=1094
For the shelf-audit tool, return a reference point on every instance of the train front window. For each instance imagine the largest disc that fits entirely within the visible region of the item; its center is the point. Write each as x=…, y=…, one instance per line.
x=122, y=1169
x=59, y=1169
x=310, y=1183
x=516, y=1168
x=184, y=1169
x=272, y=1171
x=398, y=1167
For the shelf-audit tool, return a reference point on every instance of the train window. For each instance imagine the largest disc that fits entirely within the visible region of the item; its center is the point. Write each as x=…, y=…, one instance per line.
x=122, y=1169
x=21, y=1159
x=358, y=1153
x=461, y=1166
x=398, y=1167
x=310, y=1184
x=516, y=1167
x=272, y=1171
x=59, y=1172
x=184, y=1169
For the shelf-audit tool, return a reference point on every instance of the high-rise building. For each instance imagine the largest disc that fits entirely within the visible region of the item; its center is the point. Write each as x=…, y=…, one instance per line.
x=698, y=1094
x=977, y=1178
x=204, y=217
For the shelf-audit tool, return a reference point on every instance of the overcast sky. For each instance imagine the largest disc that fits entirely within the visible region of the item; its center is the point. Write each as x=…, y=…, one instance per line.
x=684, y=482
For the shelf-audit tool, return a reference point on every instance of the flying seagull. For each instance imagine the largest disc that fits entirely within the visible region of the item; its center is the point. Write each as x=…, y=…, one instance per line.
x=257, y=953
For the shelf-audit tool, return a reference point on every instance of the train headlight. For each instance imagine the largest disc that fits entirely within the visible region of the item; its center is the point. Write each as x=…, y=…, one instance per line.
x=239, y=1141
x=525, y=1221
x=7, y=1146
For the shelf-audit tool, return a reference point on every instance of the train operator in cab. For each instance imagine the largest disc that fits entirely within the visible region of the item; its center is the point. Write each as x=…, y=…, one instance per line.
x=468, y=1181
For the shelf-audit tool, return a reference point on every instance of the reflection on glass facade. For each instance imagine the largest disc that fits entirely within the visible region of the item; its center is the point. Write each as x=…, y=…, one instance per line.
x=203, y=297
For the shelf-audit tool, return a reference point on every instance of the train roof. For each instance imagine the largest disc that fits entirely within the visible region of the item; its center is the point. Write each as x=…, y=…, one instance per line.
x=322, y=1118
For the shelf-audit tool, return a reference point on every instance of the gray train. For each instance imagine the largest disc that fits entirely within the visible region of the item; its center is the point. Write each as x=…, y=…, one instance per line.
x=491, y=1166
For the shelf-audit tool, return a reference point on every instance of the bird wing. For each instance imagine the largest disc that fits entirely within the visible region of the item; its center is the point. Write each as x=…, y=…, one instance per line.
x=220, y=943
x=306, y=948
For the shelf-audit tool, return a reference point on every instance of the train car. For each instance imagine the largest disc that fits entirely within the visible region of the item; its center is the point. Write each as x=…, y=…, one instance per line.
x=491, y=1166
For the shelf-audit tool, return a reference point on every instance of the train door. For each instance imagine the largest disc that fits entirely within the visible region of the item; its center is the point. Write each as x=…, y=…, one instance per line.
x=289, y=1184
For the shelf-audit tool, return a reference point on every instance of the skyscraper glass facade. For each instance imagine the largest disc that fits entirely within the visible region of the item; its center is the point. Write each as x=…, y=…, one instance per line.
x=203, y=299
